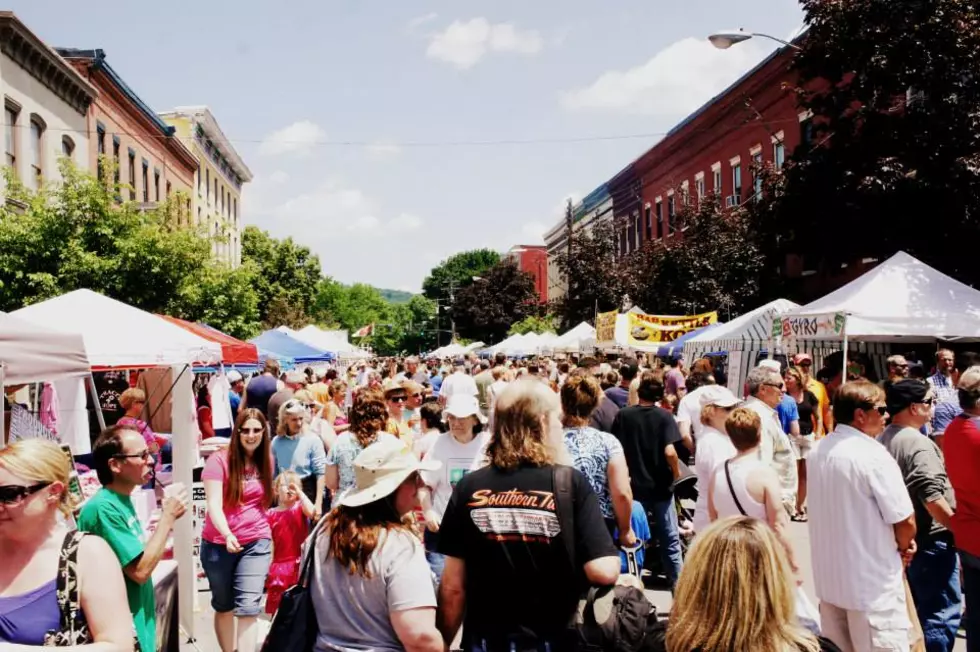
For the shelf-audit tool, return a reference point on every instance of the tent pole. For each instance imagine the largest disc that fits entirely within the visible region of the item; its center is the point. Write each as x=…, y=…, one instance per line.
x=3, y=392
x=94, y=393
x=843, y=377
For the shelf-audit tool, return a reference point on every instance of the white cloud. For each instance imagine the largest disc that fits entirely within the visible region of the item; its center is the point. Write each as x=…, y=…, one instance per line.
x=417, y=22
x=406, y=222
x=533, y=232
x=464, y=44
x=279, y=177
x=298, y=138
x=383, y=151
x=676, y=81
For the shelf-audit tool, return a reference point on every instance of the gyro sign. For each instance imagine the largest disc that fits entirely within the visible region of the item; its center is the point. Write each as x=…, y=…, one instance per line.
x=811, y=327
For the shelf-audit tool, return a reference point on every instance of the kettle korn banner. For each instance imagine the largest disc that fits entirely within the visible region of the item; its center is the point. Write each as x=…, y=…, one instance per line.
x=647, y=329
x=605, y=326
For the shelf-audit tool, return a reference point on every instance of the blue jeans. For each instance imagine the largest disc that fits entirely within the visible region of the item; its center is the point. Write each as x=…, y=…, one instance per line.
x=971, y=589
x=437, y=561
x=934, y=579
x=237, y=580
x=664, y=528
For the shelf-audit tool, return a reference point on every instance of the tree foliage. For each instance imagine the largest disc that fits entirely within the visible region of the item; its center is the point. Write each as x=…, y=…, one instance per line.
x=486, y=309
x=286, y=278
x=894, y=156
x=458, y=271
x=534, y=324
x=598, y=277
x=714, y=265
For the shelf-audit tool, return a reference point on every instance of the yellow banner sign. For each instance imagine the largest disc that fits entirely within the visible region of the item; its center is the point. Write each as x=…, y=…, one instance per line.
x=605, y=326
x=647, y=329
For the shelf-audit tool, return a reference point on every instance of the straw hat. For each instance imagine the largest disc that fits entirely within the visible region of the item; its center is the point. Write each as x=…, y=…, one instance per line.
x=380, y=469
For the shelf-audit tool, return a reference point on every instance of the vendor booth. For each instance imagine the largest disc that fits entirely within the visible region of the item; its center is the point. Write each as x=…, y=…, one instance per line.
x=234, y=352
x=575, y=340
x=741, y=340
x=280, y=343
x=902, y=300
x=333, y=341
x=118, y=336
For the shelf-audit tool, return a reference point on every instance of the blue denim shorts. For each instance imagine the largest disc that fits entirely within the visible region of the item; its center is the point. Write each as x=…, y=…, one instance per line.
x=237, y=580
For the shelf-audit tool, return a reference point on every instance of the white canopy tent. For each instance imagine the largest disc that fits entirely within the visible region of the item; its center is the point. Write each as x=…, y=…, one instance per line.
x=741, y=338
x=902, y=299
x=327, y=341
x=575, y=339
x=30, y=353
x=117, y=335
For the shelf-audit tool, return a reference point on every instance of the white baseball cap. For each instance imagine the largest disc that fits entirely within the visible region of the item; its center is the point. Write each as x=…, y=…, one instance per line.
x=464, y=405
x=771, y=364
x=234, y=376
x=717, y=395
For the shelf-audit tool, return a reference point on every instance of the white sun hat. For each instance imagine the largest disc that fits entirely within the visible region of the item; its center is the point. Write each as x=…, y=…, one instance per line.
x=380, y=469
x=464, y=405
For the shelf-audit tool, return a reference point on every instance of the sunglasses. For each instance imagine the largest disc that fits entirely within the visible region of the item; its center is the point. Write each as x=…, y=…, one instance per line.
x=416, y=396
x=928, y=401
x=310, y=406
x=776, y=385
x=14, y=494
x=880, y=409
x=251, y=431
x=398, y=399
x=144, y=455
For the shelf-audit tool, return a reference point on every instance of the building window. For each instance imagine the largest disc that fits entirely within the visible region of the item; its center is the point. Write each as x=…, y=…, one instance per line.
x=236, y=211
x=660, y=219
x=198, y=214
x=737, y=182
x=67, y=147
x=146, y=183
x=10, y=136
x=806, y=132
x=757, y=176
x=156, y=185
x=115, y=158
x=207, y=184
x=132, y=175
x=100, y=132
x=716, y=181
x=699, y=188
x=199, y=180
x=168, y=194
x=222, y=200
x=36, y=150
x=778, y=154
x=648, y=221
x=671, y=216
x=216, y=191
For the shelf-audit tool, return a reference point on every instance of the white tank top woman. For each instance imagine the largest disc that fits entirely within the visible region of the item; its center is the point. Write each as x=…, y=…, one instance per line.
x=739, y=469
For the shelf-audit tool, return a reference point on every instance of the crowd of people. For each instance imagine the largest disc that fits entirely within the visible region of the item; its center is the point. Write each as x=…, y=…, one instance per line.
x=473, y=501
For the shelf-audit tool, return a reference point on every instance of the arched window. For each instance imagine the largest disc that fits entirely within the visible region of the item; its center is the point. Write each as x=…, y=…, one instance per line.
x=35, y=152
x=67, y=146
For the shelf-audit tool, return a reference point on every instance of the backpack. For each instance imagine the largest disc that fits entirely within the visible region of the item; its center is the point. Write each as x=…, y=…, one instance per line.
x=614, y=618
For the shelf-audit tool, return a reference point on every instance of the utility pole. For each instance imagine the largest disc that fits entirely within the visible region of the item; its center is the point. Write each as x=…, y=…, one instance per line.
x=568, y=225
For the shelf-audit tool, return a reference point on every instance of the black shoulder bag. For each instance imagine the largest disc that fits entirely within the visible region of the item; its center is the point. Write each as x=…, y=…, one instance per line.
x=294, y=627
x=731, y=488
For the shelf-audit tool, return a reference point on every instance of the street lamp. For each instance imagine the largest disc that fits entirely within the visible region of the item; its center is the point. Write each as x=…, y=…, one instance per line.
x=727, y=38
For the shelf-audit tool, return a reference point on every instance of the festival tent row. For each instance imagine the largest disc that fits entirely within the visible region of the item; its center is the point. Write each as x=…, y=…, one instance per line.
x=525, y=344
x=118, y=336
x=454, y=350
x=332, y=341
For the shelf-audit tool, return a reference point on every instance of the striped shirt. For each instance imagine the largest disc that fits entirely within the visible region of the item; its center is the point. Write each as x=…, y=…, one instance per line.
x=943, y=388
x=855, y=495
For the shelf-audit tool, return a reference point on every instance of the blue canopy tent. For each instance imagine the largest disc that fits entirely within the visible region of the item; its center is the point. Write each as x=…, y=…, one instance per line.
x=677, y=346
x=282, y=345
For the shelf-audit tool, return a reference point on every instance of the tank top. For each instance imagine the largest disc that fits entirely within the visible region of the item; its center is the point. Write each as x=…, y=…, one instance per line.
x=26, y=618
x=740, y=470
x=260, y=389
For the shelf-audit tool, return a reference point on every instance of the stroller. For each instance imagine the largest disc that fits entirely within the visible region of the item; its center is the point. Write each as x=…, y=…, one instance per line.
x=685, y=490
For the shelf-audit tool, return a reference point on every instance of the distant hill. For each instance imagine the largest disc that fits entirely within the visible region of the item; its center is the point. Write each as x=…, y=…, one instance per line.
x=396, y=296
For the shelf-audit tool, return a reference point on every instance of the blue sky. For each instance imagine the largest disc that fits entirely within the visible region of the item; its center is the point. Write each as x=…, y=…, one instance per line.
x=365, y=121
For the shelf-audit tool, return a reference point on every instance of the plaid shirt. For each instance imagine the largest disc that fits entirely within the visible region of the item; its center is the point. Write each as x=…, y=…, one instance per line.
x=943, y=388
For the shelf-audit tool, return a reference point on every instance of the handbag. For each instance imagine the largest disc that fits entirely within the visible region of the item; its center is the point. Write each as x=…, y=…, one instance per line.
x=294, y=627
x=73, y=627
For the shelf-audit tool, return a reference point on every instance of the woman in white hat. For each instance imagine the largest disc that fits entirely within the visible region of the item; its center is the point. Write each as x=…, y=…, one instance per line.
x=714, y=446
x=371, y=586
x=459, y=451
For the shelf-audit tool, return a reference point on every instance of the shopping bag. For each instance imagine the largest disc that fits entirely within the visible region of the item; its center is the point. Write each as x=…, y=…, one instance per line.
x=807, y=612
x=917, y=639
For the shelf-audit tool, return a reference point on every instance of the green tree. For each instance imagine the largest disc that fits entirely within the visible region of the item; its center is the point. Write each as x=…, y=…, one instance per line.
x=287, y=276
x=534, y=324
x=598, y=278
x=222, y=298
x=457, y=271
x=892, y=156
x=486, y=309
x=716, y=265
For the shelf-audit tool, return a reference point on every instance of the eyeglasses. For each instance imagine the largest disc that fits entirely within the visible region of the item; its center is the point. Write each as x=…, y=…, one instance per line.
x=250, y=431
x=145, y=454
x=14, y=494
x=398, y=399
x=881, y=409
x=776, y=385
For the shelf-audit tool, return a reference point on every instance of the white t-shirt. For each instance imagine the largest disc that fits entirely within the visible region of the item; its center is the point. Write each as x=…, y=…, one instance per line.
x=855, y=494
x=457, y=460
x=458, y=383
x=689, y=410
x=424, y=443
x=714, y=448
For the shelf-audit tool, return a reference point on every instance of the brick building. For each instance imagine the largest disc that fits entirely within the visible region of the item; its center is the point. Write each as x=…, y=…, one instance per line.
x=532, y=259
x=146, y=151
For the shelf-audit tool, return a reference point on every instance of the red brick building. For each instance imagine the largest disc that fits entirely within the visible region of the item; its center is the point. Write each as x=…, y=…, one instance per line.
x=532, y=259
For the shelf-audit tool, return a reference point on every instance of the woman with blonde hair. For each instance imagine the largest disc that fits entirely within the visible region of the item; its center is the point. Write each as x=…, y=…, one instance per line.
x=736, y=593
x=335, y=412
x=40, y=553
x=506, y=551
x=133, y=401
x=368, y=417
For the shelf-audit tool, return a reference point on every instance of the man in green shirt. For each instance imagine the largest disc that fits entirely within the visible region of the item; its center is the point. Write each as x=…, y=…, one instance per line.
x=124, y=463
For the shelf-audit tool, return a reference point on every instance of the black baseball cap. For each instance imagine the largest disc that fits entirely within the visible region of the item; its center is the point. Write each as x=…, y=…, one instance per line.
x=904, y=393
